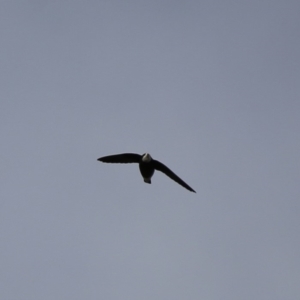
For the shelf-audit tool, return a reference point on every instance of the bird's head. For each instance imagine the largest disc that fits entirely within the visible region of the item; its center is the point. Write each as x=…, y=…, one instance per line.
x=146, y=157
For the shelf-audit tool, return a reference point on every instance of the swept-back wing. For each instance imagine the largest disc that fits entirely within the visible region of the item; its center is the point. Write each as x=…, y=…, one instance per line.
x=124, y=158
x=162, y=168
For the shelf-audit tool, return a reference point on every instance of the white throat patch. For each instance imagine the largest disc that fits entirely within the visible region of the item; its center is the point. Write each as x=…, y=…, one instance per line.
x=146, y=157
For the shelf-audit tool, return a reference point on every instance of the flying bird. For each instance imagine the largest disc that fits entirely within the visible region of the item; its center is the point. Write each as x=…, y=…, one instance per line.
x=147, y=166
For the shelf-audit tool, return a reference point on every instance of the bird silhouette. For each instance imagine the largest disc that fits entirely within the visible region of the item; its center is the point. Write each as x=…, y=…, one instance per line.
x=147, y=166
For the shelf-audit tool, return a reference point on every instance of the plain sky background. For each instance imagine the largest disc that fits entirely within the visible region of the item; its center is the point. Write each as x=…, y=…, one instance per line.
x=211, y=89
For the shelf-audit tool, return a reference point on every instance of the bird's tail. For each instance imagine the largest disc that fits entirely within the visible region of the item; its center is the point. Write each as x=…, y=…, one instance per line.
x=147, y=180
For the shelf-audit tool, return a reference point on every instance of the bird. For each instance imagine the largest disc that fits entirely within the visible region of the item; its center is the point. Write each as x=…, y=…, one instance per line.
x=147, y=166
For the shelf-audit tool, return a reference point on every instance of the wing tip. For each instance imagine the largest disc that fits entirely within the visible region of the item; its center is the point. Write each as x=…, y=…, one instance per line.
x=190, y=189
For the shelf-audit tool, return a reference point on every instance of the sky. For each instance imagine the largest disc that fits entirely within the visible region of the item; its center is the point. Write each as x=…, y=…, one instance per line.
x=209, y=88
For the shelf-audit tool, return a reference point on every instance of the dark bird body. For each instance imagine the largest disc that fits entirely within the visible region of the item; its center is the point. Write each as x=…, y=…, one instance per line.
x=147, y=166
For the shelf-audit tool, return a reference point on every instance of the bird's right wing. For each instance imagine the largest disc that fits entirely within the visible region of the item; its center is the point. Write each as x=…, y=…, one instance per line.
x=124, y=158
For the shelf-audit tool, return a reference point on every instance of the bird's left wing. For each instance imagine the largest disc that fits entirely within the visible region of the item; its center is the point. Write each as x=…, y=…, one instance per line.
x=161, y=167
x=124, y=158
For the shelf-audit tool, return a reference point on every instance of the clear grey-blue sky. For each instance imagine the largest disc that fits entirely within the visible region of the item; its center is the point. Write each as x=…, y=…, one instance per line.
x=210, y=88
